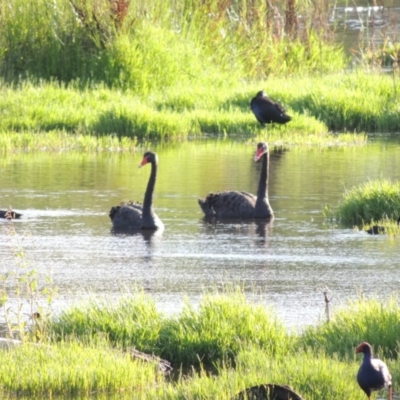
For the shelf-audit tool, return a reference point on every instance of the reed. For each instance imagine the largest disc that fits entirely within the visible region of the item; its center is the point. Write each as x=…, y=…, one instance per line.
x=127, y=44
x=72, y=370
x=372, y=320
x=25, y=295
x=130, y=322
x=216, y=332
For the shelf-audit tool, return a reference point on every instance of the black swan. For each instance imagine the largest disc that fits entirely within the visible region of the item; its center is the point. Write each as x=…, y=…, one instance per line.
x=267, y=111
x=9, y=214
x=373, y=373
x=379, y=229
x=134, y=216
x=236, y=204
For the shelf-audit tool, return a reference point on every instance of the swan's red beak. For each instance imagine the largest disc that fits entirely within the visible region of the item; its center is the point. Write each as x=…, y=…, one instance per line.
x=259, y=153
x=144, y=162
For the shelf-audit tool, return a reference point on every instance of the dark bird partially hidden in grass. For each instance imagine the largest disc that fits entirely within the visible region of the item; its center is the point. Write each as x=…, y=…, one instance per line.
x=235, y=204
x=135, y=216
x=379, y=229
x=269, y=391
x=9, y=214
x=267, y=111
x=373, y=373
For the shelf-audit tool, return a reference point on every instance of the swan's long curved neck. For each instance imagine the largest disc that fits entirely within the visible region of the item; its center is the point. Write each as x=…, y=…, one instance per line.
x=148, y=196
x=263, y=184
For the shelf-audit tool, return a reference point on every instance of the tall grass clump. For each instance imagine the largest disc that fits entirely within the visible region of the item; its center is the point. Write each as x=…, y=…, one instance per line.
x=71, y=369
x=163, y=43
x=374, y=321
x=314, y=375
x=216, y=332
x=372, y=201
x=129, y=322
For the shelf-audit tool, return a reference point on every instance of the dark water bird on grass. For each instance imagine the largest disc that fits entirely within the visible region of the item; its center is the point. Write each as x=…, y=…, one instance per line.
x=9, y=214
x=379, y=229
x=267, y=111
x=135, y=216
x=269, y=391
x=235, y=204
x=373, y=373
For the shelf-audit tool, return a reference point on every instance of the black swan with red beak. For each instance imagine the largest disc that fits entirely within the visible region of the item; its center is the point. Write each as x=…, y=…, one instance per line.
x=235, y=204
x=135, y=216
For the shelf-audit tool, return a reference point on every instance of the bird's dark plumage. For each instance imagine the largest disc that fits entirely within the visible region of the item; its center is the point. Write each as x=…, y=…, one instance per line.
x=135, y=216
x=379, y=229
x=9, y=214
x=267, y=111
x=373, y=373
x=235, y=204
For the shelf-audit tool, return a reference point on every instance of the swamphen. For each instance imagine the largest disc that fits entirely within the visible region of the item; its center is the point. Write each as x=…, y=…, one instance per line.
x=373, y=373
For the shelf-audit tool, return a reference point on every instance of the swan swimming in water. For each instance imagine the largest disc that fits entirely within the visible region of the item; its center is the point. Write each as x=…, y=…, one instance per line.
x=134, y=216
x=235, y=204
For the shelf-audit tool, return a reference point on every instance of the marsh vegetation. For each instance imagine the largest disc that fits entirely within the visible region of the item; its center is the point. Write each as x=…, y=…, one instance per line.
x=116, y=76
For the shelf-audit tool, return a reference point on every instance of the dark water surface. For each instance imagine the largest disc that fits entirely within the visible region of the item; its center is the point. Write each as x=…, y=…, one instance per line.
x=65, y=230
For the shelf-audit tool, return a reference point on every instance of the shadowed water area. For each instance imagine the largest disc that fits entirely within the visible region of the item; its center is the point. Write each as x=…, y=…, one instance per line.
x=65, y=232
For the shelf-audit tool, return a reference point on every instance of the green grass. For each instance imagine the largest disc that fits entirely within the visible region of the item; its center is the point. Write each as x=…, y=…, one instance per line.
x=71, y=369
x=156, y=45
x=97, y=117
x=372, y=201
x=223, y=325
x=374, y=321
x=131, y=322
x=242, y=343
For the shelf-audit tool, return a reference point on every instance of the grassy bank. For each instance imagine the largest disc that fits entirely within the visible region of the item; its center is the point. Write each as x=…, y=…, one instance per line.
x=84, y=350
x=350, y=102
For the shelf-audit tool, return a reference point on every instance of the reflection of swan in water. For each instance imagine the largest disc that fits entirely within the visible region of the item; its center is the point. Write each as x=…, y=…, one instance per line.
x=134, y=216
x=148, y=235
x=259, y=229
x=264, y=229
x=235, y=204
x=9, y=214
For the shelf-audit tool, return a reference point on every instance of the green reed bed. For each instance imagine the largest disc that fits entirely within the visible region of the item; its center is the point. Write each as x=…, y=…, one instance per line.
x=176, y=114
x=218, y=330
x=214, y=333
x=160, y=43
x=242, y=343
x=72, y=370
x=339, y=102
x=131, y=322
x=374, y=321
x=375, y=200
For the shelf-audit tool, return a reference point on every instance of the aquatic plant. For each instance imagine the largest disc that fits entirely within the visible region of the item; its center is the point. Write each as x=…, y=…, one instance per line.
x=372, y=201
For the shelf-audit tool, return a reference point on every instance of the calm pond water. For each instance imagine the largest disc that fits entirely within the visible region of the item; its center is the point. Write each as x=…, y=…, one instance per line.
x=65, y=230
